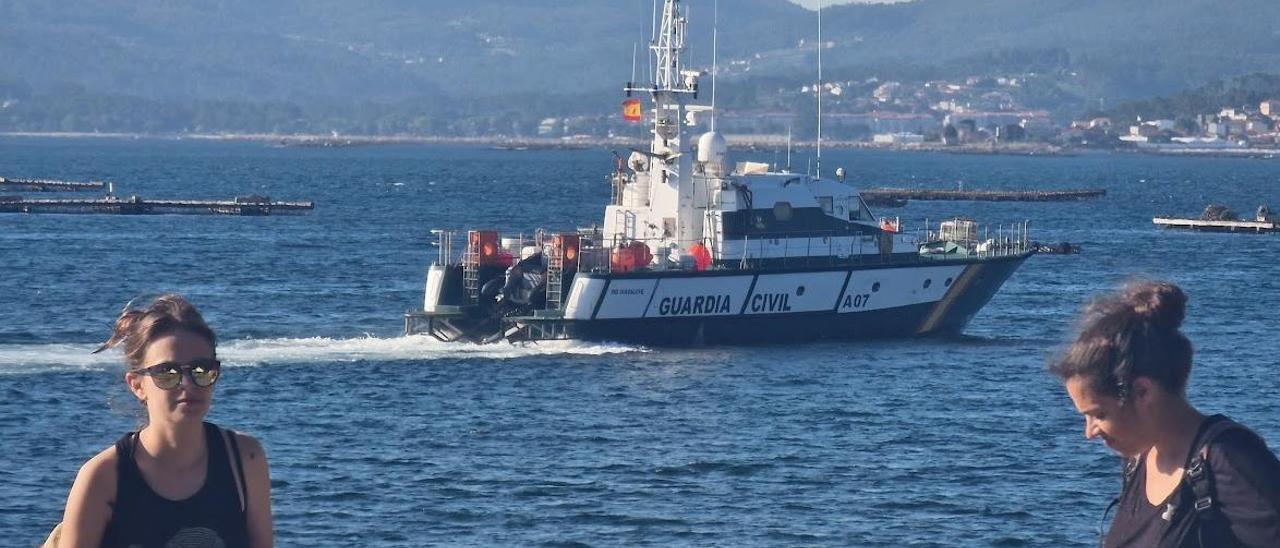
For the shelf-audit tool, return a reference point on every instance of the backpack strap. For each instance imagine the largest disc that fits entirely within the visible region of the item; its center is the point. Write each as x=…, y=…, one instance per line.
x=1199, y=479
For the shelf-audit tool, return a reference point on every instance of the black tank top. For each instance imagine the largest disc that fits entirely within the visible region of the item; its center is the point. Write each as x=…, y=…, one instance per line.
x=210, y=518
x=1246, y=485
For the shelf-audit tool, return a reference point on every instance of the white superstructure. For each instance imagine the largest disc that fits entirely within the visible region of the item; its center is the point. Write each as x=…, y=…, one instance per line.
x=684, y=191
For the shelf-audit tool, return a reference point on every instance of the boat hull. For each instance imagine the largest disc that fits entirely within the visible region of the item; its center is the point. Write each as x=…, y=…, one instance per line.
x=775, y=306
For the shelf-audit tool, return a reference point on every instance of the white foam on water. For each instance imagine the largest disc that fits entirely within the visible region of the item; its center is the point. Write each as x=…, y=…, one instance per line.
x=26, y=358
x=417, y=347
x=251, y=352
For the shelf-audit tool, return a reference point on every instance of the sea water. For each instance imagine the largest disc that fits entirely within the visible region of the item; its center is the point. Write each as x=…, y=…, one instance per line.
x=379, y=439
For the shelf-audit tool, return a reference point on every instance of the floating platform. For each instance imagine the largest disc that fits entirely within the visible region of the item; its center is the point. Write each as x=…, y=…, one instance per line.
x=897, y=197
x=47, y=185
x=252, y=205
x=1201, y=225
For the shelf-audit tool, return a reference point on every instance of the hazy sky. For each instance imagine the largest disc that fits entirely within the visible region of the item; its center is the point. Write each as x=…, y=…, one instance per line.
x=813, y=4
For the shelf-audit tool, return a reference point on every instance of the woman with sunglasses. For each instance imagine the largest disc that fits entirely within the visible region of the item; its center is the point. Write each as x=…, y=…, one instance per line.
x=1190, y=480
x=179, y=481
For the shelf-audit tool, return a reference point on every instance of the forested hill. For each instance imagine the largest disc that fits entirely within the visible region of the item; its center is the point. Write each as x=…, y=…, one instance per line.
x=1121, y=49
x=318, y=54
x=1242, y=91
x=322, y=50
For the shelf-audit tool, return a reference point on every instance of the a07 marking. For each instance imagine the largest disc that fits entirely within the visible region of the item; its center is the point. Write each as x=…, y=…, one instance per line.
x=856, y=300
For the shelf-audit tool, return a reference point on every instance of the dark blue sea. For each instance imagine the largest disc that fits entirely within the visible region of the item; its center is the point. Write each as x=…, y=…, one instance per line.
x=379, y=439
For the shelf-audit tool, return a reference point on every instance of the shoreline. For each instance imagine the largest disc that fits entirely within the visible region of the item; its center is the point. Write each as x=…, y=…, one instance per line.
x=588, y=141
x=520, y=143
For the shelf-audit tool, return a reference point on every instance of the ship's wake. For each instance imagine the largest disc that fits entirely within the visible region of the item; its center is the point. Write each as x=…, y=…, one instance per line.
x=33, y=358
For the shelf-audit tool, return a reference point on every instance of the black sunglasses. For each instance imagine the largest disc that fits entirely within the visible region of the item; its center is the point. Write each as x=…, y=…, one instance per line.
x=203, y=372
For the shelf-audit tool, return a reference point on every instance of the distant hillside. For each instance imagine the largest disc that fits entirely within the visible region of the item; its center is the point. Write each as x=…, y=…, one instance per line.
x=1244, y=91
x=188, y=63
x=1118, y=49
x=329, y=50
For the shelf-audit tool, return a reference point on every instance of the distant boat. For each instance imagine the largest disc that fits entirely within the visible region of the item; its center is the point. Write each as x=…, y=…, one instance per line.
x=1218, y=218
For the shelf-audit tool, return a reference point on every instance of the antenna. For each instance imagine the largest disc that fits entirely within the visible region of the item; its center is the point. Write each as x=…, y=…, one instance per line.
x=819, y=173
x=653, y=25
x=788, y=148
x=715, y=34
x=633, y=62
x=653, y=37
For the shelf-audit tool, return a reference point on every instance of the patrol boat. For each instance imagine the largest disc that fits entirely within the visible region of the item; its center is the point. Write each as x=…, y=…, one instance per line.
x=694, y=250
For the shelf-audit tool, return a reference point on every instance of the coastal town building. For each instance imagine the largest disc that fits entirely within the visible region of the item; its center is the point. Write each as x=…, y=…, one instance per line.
x=887, y=91
x=1258, y=124
x=993, y=119
x=897, y=139
x=973, y=110
x=1236, y=114
x=1270, y=107
x=1038, y=127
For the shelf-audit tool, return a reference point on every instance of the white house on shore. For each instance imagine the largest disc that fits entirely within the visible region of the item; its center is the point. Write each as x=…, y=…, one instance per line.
x=897, y=138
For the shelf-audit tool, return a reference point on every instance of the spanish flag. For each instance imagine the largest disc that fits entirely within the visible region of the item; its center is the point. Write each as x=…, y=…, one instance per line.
x=631, y=110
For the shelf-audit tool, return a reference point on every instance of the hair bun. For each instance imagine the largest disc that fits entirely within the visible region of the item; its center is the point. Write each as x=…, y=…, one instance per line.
x=1161, y=303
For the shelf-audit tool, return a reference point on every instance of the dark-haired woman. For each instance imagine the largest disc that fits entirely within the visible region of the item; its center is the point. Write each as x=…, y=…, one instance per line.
x=179, y=481
x=1190, y=480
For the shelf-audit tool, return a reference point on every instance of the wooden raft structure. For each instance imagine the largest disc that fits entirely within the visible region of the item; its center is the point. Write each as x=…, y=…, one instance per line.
x=252, y=205
x=899, y=196
x=45, y=185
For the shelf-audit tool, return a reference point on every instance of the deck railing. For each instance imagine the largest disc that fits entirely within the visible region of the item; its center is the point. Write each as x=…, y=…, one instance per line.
x=598, y=252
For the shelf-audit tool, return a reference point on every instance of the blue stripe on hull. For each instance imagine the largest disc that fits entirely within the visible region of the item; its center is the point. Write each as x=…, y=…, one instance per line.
x=778, y=328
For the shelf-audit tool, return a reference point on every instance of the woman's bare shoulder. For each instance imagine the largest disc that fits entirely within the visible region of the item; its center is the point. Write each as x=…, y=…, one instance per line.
x=251, y=450
x=102, y=467
x=96, y=481
x=247, y=441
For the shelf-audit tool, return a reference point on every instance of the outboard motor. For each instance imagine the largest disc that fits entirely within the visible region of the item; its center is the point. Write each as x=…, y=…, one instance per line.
x=526, y=284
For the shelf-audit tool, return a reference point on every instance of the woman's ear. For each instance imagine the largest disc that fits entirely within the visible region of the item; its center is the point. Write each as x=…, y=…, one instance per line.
x=134, y=381
x=1143, y=390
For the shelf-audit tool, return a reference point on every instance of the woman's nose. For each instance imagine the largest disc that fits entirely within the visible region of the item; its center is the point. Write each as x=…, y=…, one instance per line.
x=1090, y=430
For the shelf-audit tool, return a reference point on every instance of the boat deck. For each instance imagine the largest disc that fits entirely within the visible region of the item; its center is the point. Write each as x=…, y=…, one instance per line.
x=1215, y=226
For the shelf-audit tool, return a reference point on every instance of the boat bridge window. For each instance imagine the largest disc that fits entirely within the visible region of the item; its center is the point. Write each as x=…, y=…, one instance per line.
x=855, y=211
x=826, y=203
x=782, y=211
x=858, y=210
